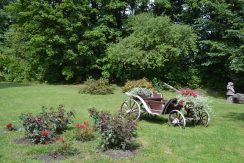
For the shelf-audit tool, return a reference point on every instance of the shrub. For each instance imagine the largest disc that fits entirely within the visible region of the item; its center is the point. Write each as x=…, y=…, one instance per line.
x=158, y=85
x=43, y=127
x=97, y=87
x=84, y=132
x=117, y=132
x=144, y=83
x=59, y=118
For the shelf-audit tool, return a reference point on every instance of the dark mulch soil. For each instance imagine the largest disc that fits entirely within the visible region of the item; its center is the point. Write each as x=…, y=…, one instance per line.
x=50, y=157
x=23, y=141
x=116, y=154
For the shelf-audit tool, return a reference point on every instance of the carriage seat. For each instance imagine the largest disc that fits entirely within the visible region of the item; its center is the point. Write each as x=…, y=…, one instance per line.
x=156, y=97
x=156, y=102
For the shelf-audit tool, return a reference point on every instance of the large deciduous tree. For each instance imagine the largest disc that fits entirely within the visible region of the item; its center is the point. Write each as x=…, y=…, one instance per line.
x=219, y=25
x=156, y=48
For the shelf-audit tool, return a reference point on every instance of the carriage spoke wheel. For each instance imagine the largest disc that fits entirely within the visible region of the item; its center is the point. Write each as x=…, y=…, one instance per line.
x=131, y=108
x=176, y=118
x=203, y=118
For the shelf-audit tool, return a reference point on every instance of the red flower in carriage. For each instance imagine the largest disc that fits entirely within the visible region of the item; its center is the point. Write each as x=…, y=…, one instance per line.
x=189, y=92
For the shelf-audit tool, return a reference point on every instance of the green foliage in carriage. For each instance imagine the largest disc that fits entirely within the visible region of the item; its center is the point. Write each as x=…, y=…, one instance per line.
x=97, y=87
x=117, y=132
x=142, y=92
x=194, y=102
x=143, y=83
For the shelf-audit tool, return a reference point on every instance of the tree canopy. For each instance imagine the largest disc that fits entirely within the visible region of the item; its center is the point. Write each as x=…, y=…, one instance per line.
x=184, y=42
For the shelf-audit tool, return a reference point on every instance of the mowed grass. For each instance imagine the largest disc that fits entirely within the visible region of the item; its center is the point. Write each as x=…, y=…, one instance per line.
x=222, y=141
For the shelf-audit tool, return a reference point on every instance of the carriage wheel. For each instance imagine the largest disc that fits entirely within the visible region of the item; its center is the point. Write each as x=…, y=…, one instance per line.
x=177, y=118
x=204, y=118
x=131, y=108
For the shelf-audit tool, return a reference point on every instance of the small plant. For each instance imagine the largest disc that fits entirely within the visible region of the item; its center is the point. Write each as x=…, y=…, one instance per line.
x=64, y=148
x=100, y=119
x=116, y=131
x=144, y=83
x=143, y=92
x=97, y=87
x=84, y=132
x=43, y=127
x=10, y=127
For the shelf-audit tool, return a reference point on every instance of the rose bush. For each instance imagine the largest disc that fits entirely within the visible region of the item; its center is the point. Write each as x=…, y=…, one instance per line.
x=116, y=131
x=44, y=127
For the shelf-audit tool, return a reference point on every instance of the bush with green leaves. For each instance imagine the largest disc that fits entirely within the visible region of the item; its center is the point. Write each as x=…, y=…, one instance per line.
x=160, y=49
x=117, y=132
x=144, y=83
x=97, y=87
x=43, y=127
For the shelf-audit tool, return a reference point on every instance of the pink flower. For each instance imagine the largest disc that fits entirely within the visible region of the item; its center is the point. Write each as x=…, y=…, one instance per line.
x=46, y=143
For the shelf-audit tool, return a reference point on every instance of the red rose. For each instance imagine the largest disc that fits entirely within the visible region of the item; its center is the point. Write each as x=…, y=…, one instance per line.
x=46, y=143
x=86, y=123
x=44, y=133
x=78, y=125
x=82, y=126
x=9, y=125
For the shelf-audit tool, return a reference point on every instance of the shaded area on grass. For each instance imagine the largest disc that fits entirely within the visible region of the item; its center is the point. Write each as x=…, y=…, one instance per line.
x=235, y=116
x=23, y=141
x=117, y=154
x=51, y=157
x=154, y=119
x=4, y=85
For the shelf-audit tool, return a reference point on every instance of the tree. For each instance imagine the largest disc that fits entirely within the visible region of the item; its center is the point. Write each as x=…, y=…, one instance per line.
x=156, y=48
x=220, y=27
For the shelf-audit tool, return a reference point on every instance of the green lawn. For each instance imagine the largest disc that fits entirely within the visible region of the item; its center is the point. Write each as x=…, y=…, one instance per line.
x=222, y=141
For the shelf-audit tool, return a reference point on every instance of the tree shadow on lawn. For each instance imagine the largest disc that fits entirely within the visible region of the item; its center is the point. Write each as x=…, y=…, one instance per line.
x=216, y=94
x=4, y=85
x=235, y=116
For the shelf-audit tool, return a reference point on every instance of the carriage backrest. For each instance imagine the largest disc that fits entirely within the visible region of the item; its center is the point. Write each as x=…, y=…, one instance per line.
x=157, y=95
